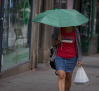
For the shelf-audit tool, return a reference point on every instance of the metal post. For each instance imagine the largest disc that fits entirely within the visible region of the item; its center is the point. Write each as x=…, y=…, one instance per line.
x=93, y=15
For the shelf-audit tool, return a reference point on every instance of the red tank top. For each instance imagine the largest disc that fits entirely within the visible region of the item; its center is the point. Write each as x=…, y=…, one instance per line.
x=67, y=47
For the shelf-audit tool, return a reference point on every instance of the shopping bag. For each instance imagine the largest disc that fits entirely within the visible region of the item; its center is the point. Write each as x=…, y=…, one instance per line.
x=81, y=77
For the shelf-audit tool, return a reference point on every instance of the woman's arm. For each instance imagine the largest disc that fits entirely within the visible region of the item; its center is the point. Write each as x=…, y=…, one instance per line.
x=79, y=49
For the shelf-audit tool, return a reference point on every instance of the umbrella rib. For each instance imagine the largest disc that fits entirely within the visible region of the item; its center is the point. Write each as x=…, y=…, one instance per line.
x=78, y=21
x=74, y=16
x=45, y=23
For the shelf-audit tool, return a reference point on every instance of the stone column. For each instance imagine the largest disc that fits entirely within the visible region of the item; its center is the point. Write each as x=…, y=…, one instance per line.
x=34, y=36
x=44, y=50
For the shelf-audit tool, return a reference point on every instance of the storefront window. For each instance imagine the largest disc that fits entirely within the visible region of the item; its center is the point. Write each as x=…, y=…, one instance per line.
x=15, y=46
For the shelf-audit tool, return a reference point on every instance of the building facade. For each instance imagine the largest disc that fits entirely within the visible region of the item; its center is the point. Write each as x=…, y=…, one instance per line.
x=24, y=44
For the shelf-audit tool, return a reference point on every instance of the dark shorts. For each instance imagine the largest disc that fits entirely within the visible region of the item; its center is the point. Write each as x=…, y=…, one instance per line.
x=67, y=65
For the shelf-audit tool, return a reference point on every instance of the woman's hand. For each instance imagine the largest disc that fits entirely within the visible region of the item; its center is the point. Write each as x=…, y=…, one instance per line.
x=56, y=42
x=79, y=64
x=59, y=37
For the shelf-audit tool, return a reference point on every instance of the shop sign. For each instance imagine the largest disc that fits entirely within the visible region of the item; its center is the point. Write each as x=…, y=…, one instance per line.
x=26, y=12
x=21, y=56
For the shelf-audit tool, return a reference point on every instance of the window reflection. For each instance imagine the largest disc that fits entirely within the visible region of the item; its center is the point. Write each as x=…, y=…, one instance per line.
x=15, y=32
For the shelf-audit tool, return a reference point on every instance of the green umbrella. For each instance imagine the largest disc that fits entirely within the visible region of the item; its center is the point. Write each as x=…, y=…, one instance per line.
x=61, y=18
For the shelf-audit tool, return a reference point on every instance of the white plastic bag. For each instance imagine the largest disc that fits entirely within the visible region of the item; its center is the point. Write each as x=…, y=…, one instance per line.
x=81, y=77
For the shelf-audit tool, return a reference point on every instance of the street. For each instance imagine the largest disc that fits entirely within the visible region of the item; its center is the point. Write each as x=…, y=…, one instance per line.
x=44, y=78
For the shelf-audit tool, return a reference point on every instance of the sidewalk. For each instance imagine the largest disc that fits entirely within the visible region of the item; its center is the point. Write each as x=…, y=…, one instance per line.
x=44, y=79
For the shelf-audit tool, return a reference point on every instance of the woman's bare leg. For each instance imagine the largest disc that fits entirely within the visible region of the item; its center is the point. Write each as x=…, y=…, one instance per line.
x=68, y=81
x=61, y=80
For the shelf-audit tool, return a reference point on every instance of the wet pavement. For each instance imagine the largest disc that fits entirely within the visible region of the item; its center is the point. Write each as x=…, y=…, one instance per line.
x=44, y=79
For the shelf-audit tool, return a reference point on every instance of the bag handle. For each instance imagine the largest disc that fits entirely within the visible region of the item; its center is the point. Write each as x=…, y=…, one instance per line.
x=56, y=73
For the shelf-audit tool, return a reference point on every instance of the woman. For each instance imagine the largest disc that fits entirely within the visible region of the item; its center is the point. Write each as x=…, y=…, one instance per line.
x=68, y=53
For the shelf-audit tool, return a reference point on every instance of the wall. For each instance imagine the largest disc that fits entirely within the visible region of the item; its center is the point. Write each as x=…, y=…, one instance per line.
x=34, y=36
x=16, y=70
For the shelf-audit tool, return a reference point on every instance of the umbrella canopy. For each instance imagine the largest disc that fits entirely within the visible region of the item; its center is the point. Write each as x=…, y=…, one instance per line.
x=61, y=18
